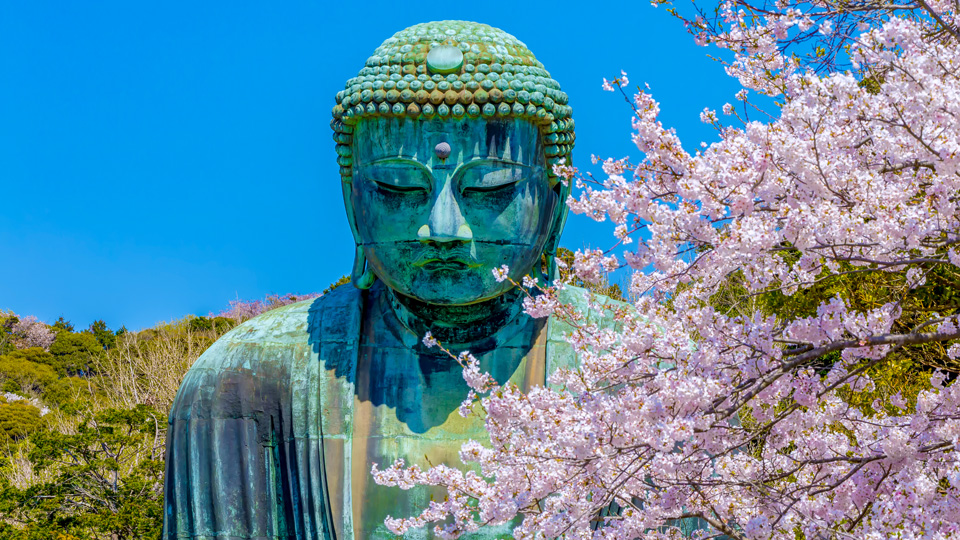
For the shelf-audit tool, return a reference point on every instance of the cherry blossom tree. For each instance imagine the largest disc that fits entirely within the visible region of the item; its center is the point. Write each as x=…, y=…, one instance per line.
x=30, y=332
x=720, y=416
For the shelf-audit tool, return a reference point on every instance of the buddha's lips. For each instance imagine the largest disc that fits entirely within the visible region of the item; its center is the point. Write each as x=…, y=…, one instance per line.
x=453, y=263
x=454, y=259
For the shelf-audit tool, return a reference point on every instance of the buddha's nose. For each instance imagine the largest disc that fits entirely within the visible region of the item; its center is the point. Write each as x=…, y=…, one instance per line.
x=446, y=223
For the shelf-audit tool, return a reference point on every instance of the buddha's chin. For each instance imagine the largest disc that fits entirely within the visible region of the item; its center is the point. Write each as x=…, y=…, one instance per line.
x=449, y=287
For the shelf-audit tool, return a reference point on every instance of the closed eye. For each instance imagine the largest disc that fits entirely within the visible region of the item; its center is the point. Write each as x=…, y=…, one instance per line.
x=488, y=189
x=393, y=188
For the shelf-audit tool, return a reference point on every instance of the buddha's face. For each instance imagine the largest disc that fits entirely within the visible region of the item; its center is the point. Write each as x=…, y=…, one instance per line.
x=434, y=226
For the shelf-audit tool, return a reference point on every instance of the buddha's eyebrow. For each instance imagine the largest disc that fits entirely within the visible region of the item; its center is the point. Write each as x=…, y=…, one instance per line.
x=393, y=159
x=397, y=160
x=495, y=160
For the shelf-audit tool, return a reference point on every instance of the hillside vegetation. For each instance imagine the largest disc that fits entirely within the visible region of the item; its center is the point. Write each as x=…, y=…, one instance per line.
x=83, y=418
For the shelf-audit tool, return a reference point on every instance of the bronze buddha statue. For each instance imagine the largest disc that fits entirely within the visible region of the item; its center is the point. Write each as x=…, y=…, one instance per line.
x=446, y=142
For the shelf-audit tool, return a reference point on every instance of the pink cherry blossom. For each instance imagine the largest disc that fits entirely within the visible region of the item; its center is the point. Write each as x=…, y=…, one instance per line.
x=681, y=416
x=30, y=332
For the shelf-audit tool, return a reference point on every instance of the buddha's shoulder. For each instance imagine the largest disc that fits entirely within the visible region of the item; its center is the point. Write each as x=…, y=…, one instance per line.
x=277, y=337
x=597, y=308
x=255, y=365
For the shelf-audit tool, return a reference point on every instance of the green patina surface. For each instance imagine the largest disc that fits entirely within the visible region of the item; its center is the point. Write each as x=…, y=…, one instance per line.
x=276, y=426
x=445, y=141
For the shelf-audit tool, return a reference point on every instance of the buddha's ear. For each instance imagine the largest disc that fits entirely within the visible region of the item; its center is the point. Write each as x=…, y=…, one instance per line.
x=562, y=189
x=361, y=276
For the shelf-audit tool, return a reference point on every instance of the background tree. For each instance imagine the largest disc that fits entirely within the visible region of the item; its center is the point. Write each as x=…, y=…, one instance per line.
x=104, y=335
x=75, y=352
x=107, y=480
x=29, y=332
x=62, y=324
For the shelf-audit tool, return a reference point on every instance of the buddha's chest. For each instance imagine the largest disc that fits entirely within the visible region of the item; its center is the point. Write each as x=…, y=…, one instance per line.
x=406, y=407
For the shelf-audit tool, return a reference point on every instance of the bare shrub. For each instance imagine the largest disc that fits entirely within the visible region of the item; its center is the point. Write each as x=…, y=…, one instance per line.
x=20, y=471
x=147, y=367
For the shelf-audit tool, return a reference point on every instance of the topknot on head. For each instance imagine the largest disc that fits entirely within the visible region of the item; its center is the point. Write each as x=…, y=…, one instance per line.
x=454, y=69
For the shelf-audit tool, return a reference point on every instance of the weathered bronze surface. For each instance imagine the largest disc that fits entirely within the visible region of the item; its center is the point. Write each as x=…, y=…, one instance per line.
x=445, y=142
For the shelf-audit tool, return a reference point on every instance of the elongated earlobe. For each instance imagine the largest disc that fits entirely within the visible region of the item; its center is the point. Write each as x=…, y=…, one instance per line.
x=553, y=239
x=362, y=277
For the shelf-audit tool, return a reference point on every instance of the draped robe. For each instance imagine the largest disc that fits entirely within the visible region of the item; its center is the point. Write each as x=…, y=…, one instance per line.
x=261, y=432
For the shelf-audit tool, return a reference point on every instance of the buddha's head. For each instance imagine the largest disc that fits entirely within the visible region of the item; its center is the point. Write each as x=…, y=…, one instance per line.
x=446, y=142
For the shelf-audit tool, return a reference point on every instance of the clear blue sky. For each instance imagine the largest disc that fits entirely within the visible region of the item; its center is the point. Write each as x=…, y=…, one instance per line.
x=161, y=158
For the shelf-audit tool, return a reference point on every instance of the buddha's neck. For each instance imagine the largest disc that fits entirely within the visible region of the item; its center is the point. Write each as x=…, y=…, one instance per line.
x=461, y=324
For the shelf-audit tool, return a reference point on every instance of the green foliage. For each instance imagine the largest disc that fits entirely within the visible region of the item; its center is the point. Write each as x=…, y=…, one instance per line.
x=75, y=352
x=104, y=480
x=68, y=393
x=62, y=325
x=872, y=83
x=7, y=320
x=344, y=279
x=35, y=531
x=104, y=335
x=36, y=373
x=38, y=356
x=218, y=324
x=18, y=419
x=24, y=377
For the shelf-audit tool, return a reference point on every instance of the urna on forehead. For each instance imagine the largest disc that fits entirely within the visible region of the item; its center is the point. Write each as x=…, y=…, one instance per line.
x=454, y=70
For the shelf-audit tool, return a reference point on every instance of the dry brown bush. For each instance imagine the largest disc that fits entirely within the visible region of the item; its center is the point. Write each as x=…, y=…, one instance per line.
x=20, y=471
x=147, y=367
